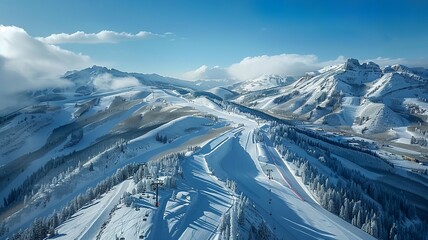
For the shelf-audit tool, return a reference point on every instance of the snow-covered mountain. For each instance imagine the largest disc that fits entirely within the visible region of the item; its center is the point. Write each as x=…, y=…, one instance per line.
x=98, y=79
x=363, y=96
x=204, y=84
x=89, y=76
x=86, y=165
x=223, y=92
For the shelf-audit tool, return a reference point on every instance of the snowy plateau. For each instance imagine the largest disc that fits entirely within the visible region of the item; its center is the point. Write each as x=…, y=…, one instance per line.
x=340, y=153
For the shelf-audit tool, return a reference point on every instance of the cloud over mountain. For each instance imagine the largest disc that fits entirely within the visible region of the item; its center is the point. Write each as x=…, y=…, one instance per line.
x=104, y=36
x=282, y=64
x=108, y=82
x=253, y=67
x=27, y=63
x=205, y=72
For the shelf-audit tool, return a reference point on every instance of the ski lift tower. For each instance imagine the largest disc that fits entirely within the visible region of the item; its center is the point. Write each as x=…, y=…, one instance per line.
x=269, y=173
x=157, y=183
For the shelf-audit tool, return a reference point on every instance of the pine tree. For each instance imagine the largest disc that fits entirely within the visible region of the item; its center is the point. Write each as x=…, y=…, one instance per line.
x=3, y=229
x=241, y=216
x=140, y=187
x=225, y=226
x=233, y=222
x=226, y=234
x=342, y=212
x=263, y=232
x=393, y=231
x=374, y=228
x=359, y=219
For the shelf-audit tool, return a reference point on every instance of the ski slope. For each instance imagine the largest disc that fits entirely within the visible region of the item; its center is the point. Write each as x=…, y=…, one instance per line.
x=194, y=209
x=86, y=224
x=234, y=156
x=293, y=214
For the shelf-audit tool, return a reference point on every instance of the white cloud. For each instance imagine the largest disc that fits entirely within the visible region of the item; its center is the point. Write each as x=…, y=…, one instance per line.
x=204, y=72
x=382, y=61
x=28, y=64
x=284, y=64
x=386, y=61
x=253, y=67
x=108, y=82
x=104, y=36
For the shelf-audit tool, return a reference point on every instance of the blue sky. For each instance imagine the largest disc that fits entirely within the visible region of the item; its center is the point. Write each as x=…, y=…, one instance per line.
x=224, y=33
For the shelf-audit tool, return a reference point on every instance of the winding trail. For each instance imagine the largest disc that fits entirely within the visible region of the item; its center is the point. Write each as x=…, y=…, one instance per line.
x=213, y=199
x=159, y=227
x=297, y=189
x=295, y=215
x=91, y=231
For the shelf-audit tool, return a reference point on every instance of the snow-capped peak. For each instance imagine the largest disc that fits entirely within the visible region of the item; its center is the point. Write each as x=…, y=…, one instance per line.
x=416, y=72
x=354, y=65
x=345, y=93
x=351, y=64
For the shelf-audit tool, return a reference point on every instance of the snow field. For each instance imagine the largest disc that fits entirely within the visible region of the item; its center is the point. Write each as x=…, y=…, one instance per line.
x=195, y=209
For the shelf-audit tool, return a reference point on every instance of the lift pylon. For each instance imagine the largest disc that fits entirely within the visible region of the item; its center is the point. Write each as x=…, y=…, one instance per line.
x=157, y=183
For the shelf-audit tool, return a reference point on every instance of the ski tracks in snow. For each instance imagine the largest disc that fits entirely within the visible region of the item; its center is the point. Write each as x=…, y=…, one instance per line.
x=213, y=200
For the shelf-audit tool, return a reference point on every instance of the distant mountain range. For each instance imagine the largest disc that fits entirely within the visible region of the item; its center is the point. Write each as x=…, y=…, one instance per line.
x=362, y=96
x=365, y=97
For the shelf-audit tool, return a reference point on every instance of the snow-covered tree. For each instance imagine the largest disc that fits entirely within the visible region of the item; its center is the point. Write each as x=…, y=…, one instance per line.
x=263, y=232
x=234, y=222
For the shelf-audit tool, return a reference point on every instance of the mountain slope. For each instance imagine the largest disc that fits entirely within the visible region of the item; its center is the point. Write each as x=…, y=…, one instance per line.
x=83, y=167
x=98, y=79
x=349, y=94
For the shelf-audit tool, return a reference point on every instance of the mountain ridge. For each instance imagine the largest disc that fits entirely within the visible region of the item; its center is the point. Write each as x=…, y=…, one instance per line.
x=344, y=94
